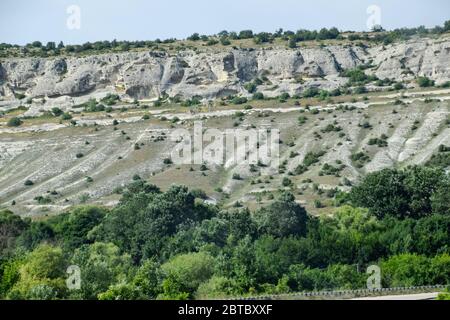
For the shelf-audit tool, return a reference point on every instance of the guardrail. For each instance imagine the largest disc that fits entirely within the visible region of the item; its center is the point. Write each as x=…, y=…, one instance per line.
x=339, y=293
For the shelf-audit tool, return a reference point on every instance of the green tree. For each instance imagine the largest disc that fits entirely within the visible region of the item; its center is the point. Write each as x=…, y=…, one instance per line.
x=425, y=82
x=431, y=234
x=184, y=273
x=101, y=266
x=14, y=122
x=401, y=193
x=72, y=227
x=217, y=288
x=43, y=270
x=147, y=218
x=9, y=274
x=11, y=226
x=421, y=183
x=282, y=218
x=415, y=270
x=440, y=199
x=38, y=232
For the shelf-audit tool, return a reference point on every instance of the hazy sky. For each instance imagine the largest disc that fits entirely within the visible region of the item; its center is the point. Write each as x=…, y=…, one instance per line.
x=23, y=21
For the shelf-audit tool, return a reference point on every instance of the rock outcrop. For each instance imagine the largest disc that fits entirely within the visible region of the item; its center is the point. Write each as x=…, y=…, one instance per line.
x=145, y=74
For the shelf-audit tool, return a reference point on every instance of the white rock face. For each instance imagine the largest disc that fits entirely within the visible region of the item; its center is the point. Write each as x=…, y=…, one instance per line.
x=428, y=58
x=213, y=74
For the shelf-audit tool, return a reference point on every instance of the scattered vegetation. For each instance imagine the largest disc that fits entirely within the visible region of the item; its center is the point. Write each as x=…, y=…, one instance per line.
x=14, y=122
x=166, y=245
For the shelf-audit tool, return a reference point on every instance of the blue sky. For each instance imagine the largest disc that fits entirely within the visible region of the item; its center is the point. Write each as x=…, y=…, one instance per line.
x=23, y=21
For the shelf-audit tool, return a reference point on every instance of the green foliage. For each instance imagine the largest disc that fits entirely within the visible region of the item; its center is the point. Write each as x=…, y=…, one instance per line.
x=312, y=158
x=358, y=77
x=359, y=159
x=441, y=160
x=282, y=218
x=217, y=287
x=407, y=270
x=344, y=277
x=239, y=100
x=263, y=37
x=101, y=265
x=93, y=106
x=380, y=142
x=9, y=275
x=19, y=96
x=110, y=99
x=42, y=270
x=360, y=90
x=11, y=226
x=224, y=41
x=286, y=182
x=310, y=92
x=194, y=101
x=329, y=170
x=184, y=274
x=57, y=111
x=440, y=199
x=168, y=245
x=38, y=232
x=258, y=96
x=66, y=116
x=72, y=228
x=145, y=219
x=401, y=193
x=14, y=122
x=425, y=82
x=444, y=295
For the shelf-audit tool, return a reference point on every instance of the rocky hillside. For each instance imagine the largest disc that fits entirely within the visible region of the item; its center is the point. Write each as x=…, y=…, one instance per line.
x=50, y=161
x=213, y=74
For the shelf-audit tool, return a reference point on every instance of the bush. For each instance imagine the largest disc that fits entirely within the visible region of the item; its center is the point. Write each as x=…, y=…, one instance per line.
x=184, y=273
x=292, y=43
x=398, y=86
x=57, y=111
x=408, y=270
x=258, y=96
x=245, y=34
x=19, y=96
x=282, y=218
x=355, y=75
x=360, y=90
x=239, y=100
x=14, y=122
x=225, y=41
x=66, y=116
x=236, y=176
x=399, y=193
x=194, y=37
x=310, y=92
x=286, y=182
x=250, y=87
x=425, y=82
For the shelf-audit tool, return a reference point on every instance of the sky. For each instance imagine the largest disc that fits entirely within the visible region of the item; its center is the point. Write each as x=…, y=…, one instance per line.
x=79, y=21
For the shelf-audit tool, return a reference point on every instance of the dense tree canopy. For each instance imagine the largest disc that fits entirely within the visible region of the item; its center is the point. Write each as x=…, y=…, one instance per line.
x=403, y=193
x=171, y=245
